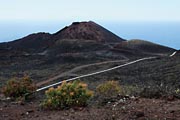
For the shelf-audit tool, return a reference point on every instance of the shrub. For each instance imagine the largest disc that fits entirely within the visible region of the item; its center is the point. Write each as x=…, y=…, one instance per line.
x=18, y=88
x=109, y=88
x=107, y=91
x=130, y=90
x=165, y=92
x=177, y=93
x=67, y=95
x=151, y=93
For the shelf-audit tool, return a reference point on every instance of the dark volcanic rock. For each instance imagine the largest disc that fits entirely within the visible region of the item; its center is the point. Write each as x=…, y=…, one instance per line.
x=178, y=52
x=143, y=47
x=87, y=31
x=31, y=43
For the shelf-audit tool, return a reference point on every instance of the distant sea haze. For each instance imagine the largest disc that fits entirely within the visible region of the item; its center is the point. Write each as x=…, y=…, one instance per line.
x=164, y=33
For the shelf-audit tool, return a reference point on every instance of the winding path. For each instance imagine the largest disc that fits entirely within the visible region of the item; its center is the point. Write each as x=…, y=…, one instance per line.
x=95, y=73
x=174, y=53
x=70, y=72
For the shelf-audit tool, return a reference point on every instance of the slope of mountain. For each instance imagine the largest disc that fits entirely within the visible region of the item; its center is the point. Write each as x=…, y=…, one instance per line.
x=178, y=52
x=87, y=31
x=143, y=47
x=31, y=43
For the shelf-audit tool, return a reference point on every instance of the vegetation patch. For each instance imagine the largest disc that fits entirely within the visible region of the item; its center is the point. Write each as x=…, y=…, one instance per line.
x=19, y=88
x=105, y=92
x=72, y=94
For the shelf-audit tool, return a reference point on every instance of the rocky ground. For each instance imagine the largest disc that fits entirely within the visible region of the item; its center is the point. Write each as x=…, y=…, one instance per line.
x=122, y=109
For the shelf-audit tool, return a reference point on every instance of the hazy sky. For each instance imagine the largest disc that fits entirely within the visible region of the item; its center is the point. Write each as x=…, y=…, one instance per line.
x=100, y=10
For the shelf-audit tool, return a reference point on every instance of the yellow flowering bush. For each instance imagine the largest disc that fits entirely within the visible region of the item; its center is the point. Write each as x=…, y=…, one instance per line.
x=18, y=88
x=67, y=95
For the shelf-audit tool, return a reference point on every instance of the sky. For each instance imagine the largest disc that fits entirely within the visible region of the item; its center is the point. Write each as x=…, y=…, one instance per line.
x=100, y=10
x=126, y=18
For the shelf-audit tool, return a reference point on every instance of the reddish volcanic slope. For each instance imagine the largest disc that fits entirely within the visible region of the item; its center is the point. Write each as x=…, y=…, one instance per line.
x=87, y=31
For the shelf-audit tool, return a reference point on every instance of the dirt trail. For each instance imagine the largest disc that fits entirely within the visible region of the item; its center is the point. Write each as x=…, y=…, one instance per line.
x=70, y=72
x=95, y=73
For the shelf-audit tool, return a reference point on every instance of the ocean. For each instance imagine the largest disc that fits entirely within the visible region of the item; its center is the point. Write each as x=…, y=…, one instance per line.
x=164, y=33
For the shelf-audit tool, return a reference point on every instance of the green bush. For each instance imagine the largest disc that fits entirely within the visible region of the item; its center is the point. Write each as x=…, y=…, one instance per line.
x=177, y=93
x=109, y=89
x=67, y=95
x=18, y=88
x=130, y=90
